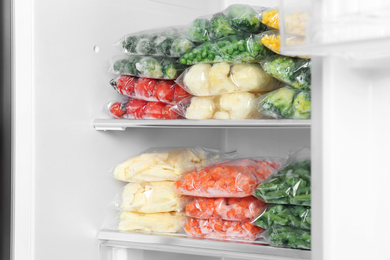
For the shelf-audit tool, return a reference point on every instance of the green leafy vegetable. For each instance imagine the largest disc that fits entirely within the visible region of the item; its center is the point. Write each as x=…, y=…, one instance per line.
x=220, y=26
x=244, y=19
x=286, y=236
x=199, y=30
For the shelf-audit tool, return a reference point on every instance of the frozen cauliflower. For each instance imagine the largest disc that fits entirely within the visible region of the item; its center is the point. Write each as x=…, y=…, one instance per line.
x=219, y=80
x=201, y=108
x=197, y=79
x=221, y=115
x=239, y=105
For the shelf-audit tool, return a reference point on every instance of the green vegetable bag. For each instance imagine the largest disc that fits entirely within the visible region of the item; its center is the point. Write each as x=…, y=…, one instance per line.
x=285, y=236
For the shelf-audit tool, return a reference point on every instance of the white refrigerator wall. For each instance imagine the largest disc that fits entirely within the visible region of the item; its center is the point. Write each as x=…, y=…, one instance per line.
x=62, y=188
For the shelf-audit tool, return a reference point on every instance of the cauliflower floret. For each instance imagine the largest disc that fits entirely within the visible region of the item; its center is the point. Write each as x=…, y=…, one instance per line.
x=221, y=115
x=201, y=108
x=252, y=78
x=219, y=79
x=239, y=105
x=197, y=79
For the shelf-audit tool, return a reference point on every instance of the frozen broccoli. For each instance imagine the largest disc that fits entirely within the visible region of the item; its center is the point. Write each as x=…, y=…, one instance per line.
x=126, y=66
x=181, y=46
x=220, y=26
x=243, y=18
x=278, y=104
x=130, y=43
x=145, y=47
x=302, y=106
x=171, y=69
x=149, y=67
x=163, y=45
x=199, y=30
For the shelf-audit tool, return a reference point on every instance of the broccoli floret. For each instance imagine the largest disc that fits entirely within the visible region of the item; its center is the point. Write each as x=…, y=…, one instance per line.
x=149, y=67
x=126, y=66
x=199, y=30
x=279, y=67
x=301, y=78
x=163, y=45
x=278, y=103
x=220, y=26
x=145, y=47
x=169, y=69
x=243, y=19
x=180, y=46
x=302, y=106
x=130, y=43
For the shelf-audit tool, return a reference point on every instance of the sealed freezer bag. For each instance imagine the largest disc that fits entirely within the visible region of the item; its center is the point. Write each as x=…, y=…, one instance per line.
x=234, y=209
x=216, y=79
x=150, y=197
x=146, y=66
x=165, y=164
x=295, y=72
x=240, y=48
x=168, y=222
x=286, y=103
x=233, y=20
x=168, y=42
x=286, y=236
x=165, y=91
x=290, y=184
x=140, y=109
x=219, y=229
x=236, y=178
x=285, y=215
x=295, y=23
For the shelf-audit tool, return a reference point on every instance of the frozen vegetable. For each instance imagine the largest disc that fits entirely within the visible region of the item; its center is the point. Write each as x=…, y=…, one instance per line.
x=150, y=197
x=295, y=22
x=270, y=18
x=198, y=31
x=168, y=222
x=244, y=19
x=220, y=27
x=271, y=40
x=165, y=164
x=221, y=229
x=285, y=236
x=295, y=72
x=234, y=209
x=232, y=178
x=285, y=215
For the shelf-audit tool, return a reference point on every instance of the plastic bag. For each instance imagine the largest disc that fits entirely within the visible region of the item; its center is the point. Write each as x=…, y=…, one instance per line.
x=210, y=80
x=231, y=178
x=285, y=215
x=241, y=105
x=140, y=109
x=295, y=23
x=233, y=20
x=271, y=40
x=232, y=49
x=168, y=42
x=234, y=209
x=150, y=197
x=221, y=229
x=145, y=66
x=286, y=103
x=165, y=91
x=285, y=236
x=168, y=222
x=291, y=184
x=295, y=72
x=165, y=164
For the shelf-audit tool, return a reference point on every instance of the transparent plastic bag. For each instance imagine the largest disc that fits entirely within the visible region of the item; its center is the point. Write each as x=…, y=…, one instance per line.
x=146, y=66
x=233, y=209
x=290, y=184
x=286, y=103
x=271, y=40
x=295, y=72
x=285, y=236
x=221, y=229
x=209, y=80
x=132, y=108
x=150, y=197
x=165, y=91
x=168, y=222
x=241, y=105
x=285, y=215
x=233, y=49
x=236, y=178
x=295, y=23
x=165, y=164
x=167, y=42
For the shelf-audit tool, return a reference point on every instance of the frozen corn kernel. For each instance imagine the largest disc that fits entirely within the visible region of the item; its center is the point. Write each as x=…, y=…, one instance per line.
x=271, y=18
x=272, y=42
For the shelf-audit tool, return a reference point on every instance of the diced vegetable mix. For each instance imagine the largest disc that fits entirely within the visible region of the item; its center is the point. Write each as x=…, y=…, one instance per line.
x=285, y=236
x=285, y=215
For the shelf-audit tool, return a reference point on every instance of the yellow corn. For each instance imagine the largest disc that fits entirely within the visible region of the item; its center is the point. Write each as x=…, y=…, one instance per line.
x=272, y=42
x=271, y=18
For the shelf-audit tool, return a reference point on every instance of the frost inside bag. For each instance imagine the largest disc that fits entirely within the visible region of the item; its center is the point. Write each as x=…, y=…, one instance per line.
x=241, y=105
x=208, y=80
x=165, y=91
x=233, y=49
x=231, y=178
x=140, y=109
x=168, y=42
x=234, y=209
x=295, y=72
x=150, y=197
x=168, y=222
x=286, y=103
x=146, y=66
x=285, y=215
x=221, y=229
x=291, y=184
x=165, y=164
x=285, y=236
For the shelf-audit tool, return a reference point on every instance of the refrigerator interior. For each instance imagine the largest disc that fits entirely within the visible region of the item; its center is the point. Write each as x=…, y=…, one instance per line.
x=62, y=186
